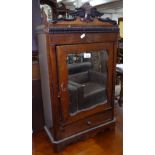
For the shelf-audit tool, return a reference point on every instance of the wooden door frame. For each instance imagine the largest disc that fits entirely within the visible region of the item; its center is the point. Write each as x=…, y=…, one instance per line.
x=62, y=52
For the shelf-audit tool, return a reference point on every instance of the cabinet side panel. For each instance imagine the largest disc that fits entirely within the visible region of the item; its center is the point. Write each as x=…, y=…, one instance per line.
x=43, y=62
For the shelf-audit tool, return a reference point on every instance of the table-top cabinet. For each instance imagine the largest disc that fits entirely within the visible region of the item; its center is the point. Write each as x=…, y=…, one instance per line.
x=77, y=67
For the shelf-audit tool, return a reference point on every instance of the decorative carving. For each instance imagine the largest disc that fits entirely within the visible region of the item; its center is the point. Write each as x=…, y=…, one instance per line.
x=87, y=12
x=108, y=20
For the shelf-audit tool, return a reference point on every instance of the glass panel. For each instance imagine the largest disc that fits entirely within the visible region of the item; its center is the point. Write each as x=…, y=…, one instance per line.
x=87, y=79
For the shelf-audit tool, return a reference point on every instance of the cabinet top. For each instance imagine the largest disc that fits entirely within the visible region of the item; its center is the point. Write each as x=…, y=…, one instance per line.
x=85, y=19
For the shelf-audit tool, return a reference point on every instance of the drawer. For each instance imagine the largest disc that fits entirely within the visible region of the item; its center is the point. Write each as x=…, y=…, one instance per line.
x=86, y=123
x=80, y=38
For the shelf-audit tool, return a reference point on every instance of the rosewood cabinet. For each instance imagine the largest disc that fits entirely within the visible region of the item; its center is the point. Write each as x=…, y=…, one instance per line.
x=77, y=66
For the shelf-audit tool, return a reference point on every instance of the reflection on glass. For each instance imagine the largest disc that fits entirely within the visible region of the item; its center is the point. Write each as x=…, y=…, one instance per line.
x=87, y=79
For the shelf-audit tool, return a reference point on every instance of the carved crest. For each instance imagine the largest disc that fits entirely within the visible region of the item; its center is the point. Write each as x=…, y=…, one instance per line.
x=87, y=12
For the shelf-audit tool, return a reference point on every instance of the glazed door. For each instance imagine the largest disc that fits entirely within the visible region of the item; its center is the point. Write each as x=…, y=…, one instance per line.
x=85, y=74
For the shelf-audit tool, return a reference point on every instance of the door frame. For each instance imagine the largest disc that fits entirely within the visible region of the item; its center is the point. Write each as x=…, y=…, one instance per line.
x=62, y=51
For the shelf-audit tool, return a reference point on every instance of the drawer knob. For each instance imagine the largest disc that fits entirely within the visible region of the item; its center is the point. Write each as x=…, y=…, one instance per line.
x=89, y=122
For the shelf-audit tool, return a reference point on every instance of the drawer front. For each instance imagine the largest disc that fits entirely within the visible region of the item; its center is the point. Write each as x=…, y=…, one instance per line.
x=86, y=123
x=82, y=38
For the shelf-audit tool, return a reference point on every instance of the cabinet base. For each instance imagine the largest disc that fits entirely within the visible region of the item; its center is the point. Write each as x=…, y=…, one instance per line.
x=61, y=144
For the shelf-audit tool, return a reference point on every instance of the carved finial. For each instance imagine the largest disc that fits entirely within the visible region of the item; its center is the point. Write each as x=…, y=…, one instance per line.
x=87, y=7
x=87, y=12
